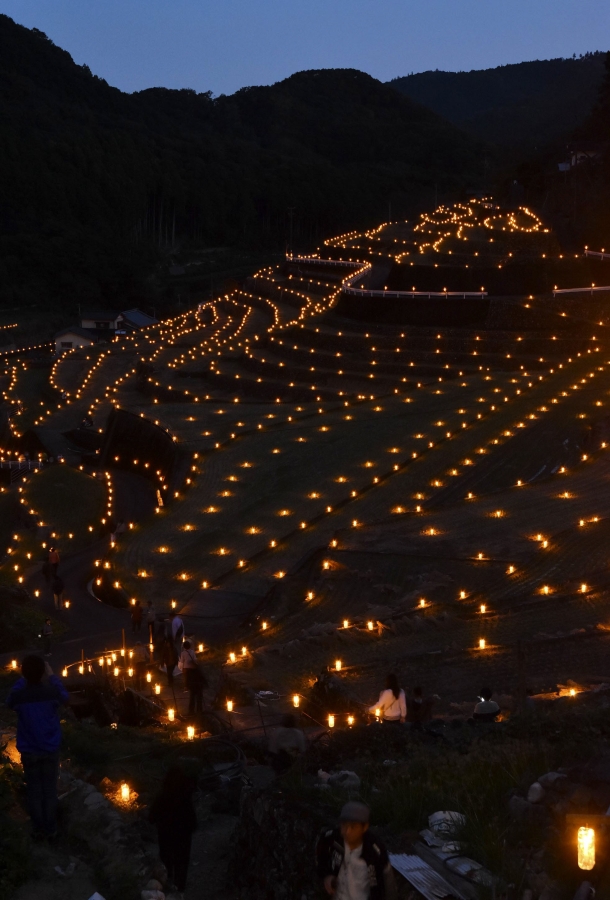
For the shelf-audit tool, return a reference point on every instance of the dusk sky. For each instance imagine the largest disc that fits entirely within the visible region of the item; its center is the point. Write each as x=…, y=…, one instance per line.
x=227, y=44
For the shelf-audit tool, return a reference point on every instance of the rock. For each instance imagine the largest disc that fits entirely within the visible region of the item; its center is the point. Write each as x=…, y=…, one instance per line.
x=86, y=788
x=94, y=800
x=536, y=793
x=580, y=795
x=518, y=807
x=344, y=779
x=553, y=780
x=154, y=885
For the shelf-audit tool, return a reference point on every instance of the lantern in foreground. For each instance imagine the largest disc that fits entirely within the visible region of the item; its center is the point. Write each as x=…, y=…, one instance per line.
x=481, y=643
x=125, y=792
x=331, y=721
x=190, y=733
x=171, y=714
x=586, y=847
x=13, y=664
x=230, y=705
x=338, y=665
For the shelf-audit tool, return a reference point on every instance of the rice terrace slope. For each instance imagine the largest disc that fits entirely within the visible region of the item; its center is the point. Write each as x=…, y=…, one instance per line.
x=392, y=450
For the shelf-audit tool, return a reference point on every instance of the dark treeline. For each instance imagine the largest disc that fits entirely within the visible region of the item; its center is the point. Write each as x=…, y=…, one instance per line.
x=523, y=106
x=98, y=187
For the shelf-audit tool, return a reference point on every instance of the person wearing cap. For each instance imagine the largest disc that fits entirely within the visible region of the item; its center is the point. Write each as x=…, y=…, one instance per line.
x=352, y=862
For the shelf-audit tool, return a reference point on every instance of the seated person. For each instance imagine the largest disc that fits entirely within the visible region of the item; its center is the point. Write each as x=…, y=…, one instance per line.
x=286, y=744
x=419, y=709
x=486, y=710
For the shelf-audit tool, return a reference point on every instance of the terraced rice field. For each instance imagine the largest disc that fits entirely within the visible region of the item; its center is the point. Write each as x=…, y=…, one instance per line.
x=341, y=459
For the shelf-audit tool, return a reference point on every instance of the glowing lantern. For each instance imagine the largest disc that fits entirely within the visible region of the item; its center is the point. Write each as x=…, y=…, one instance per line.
x=64, y=673
x=13, y=664
x=370, y=625
x=201, y=648
x=125, y=793
x=190, y=733
x=264, y=626
x=130, y=672
x=331, y=721
x=149, y=677
x=345, y=623
x=481, y=643
x=230, y=705
x=350, y=720
x=378, y=713
x=116, y=671
x=483, y=608
x=171, y=714
x=422, y=603
x=586, y=847
x=583, y=589
x=157, y=689
x=338, y=665
x=232, y=657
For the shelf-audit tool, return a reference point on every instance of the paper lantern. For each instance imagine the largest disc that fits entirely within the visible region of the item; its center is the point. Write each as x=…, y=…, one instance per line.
x=586, y=847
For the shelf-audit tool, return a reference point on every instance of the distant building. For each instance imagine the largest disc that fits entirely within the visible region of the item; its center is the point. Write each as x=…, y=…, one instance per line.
x=133, y=319
x=99, y=320
x=68, y=338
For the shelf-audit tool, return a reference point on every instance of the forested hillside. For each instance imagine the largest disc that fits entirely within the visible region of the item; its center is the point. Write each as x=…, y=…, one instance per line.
x=526, y=106
x=96, y=185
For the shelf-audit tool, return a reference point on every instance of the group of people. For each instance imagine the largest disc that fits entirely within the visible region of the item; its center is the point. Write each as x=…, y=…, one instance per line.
x=392, y=705
x=37, y=698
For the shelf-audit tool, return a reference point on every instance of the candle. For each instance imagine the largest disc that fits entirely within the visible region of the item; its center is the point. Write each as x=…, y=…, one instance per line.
x=201, y=648
x=296, y=700
x=125, y=792
x=244, y=651
x=378, y=713
x=64, y=672
x=345, y=623
x=232, y=657
x=230, y=705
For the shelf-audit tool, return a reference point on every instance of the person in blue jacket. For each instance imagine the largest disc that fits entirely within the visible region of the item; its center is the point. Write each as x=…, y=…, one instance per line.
x=36, y=698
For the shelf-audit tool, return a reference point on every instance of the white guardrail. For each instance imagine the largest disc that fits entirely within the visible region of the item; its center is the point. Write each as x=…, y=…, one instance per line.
x=351, y=290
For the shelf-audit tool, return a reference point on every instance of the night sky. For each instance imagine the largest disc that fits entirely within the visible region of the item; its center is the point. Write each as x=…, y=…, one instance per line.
x=222, y=45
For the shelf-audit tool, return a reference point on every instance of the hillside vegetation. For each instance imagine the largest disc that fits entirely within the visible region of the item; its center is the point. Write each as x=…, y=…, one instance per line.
x=527, y=105
x=97, y=184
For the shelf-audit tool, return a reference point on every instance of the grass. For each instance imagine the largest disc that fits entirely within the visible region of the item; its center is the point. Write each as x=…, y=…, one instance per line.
x=68, y=501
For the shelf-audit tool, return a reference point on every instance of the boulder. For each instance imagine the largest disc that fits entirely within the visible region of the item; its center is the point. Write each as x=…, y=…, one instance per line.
x=536, y=793
x=554, y=781
x=519, y=808
x=95, y=800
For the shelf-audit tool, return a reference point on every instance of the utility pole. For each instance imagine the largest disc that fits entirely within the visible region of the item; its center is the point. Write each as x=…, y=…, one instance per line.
x=291, y=210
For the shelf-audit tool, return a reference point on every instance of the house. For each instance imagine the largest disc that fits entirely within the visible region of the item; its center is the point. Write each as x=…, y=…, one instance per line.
x=101, y=321
x=74, y=336
x=133, y=319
